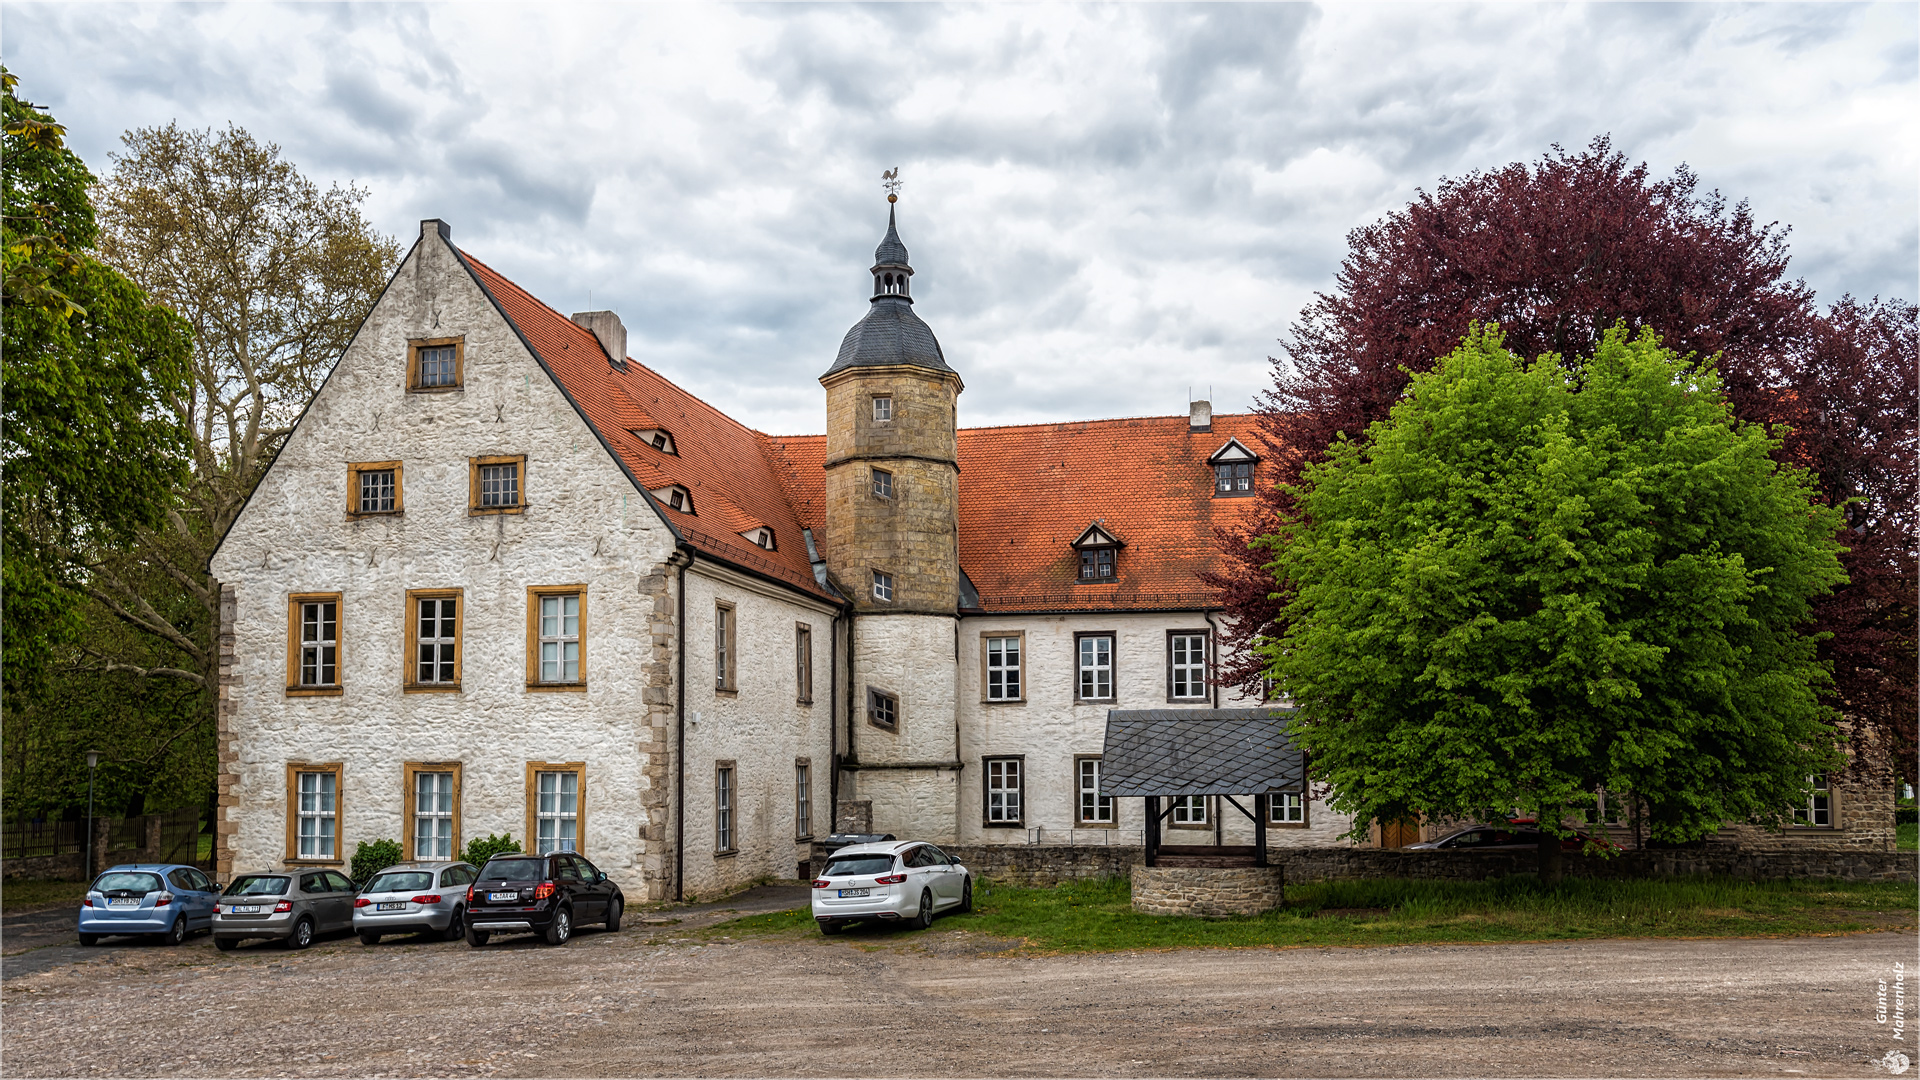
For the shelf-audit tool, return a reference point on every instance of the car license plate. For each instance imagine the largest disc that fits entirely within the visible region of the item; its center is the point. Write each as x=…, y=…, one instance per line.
x=244, y=909
x=397, y=905
x=119, y=902
x=856, y=892
x=502, y=897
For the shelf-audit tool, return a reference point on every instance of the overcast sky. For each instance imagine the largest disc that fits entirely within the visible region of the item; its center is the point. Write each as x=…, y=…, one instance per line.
x=1105, y=205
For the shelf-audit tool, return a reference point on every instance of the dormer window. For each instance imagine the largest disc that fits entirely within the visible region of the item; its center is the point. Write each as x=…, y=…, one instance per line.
x=760, y=538
x=1099, y=554
x=655, y=437
x=1233, y=470
x=675, y=498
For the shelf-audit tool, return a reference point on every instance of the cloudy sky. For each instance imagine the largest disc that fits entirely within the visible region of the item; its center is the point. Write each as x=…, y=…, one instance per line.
x=1106, y=205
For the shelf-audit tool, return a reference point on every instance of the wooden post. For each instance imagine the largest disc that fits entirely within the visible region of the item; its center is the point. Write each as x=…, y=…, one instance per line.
x=1260, y=830
x=1153, y=828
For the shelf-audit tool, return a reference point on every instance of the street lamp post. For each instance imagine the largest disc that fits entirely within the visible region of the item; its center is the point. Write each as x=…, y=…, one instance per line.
x=93, y=762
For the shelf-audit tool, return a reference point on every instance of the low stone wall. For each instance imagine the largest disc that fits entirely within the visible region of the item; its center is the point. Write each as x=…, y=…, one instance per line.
x=44, y=867
x=1050, y=864
x=1194, y=890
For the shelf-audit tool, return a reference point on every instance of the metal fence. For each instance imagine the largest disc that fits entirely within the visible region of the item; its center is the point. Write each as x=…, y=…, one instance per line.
x=170, y=836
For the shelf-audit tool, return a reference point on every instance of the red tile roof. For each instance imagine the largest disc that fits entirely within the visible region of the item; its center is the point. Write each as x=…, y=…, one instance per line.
x=735, y=486
x=1026, y=491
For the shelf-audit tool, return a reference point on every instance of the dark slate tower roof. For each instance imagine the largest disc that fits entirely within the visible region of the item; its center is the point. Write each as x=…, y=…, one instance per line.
x=891, y=333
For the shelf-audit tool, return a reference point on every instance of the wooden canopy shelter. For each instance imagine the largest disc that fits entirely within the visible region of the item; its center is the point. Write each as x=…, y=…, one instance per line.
x=1158, y=754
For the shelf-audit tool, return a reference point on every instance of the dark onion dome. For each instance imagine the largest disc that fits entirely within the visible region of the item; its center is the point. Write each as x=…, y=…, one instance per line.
x=891, y=333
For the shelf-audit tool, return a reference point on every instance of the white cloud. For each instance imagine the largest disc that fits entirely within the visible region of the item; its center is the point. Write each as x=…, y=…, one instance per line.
x=1105, y=204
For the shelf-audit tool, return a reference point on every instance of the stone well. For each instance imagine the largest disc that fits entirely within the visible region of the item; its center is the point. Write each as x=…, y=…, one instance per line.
x=1195, y=890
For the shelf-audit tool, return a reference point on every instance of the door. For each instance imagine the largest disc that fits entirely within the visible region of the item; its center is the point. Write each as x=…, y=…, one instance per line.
x=339, y=900
x=1397, y=834
x=580, y=887
x=948, y=878
x=191, y=890
x=601, y=891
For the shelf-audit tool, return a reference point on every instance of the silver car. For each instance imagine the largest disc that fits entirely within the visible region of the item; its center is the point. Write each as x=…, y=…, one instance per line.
x=294, y=906
x=898, y=881
x=414, y=898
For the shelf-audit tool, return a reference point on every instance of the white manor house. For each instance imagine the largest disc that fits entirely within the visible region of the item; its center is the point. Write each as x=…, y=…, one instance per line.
x=503, y=578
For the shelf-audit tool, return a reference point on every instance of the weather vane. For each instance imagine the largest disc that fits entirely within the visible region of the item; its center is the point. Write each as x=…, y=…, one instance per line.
x=891, y=181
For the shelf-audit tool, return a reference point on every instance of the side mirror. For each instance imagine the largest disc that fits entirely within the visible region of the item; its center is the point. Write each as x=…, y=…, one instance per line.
x=599, y=876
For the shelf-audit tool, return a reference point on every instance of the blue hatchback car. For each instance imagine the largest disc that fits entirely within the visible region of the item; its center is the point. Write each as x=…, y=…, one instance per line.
x=168, y=899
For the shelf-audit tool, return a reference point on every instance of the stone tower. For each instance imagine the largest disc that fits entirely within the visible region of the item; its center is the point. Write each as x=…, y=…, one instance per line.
x=892, y=513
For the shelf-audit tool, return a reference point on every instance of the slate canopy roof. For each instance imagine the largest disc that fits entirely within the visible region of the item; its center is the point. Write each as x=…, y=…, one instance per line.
x=1200, y=752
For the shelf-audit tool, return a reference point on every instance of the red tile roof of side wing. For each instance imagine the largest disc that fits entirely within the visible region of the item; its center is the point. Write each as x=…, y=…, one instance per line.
x=1027, y=492
x=735, y=485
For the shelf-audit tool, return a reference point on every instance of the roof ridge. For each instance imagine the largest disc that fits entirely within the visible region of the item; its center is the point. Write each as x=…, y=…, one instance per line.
x=1049, y=423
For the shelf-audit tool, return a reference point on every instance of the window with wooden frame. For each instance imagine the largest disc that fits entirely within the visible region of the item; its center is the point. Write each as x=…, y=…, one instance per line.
x=1287, y=809
x=497, y=484
x=1090, y=808
x=557, y=806
x=373, y=488
x=313, y=812
x=431, y=810
x=433, y=640
x=803, y=664
x=724, y=794
x=1099, y=552
x=1000, y=667
x=726, y=660
x=1093, y=662
x=436, y=365
x=313, y=644
x=1817, y=811
x=557, y=637
x=1186, y=665
x=883, y=709
x=803, y=799
x=1190, y=812
x=1004, y=789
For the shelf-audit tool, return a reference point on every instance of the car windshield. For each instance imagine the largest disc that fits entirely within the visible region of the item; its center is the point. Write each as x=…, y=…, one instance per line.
x=401, y=882
x=125, y=882
x=860, y=865
x=258, y=885
x=515, y=870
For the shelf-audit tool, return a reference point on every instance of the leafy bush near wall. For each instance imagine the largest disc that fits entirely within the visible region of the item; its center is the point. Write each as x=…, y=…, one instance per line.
x=479, y=851
x=370, y=859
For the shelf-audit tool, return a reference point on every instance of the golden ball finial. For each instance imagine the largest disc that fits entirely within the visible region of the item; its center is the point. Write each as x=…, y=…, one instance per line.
x=893, y=198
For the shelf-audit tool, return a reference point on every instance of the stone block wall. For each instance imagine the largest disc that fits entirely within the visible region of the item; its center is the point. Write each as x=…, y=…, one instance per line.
x=1191, y=890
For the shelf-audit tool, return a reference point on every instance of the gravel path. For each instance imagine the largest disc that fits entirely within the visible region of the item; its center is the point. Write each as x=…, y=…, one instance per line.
x=889, y=1002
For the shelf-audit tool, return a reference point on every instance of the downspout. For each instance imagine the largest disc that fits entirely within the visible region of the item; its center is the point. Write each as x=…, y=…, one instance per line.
x=833, y=736
x=1213, y=673
x=680, y=729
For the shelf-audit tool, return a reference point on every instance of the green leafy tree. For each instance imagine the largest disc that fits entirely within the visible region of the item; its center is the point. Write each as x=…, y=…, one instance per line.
x=1536, y=580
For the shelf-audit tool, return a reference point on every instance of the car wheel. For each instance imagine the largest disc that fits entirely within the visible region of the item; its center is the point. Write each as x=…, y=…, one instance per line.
x=561, y=928
x=966, y=896
x=369, y=939
x=176, y=933
x=89, y=939
x=226, y=944
x=457, y=926
x=302, y=935
x=613, y=916
x=477, y=938
x=925, y=918
x=829, y=927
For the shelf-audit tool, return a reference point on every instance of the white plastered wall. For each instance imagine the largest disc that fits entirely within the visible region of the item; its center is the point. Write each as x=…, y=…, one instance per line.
x=584, y=524
x=760, y=726
x=1051, y=729
x=911, y=656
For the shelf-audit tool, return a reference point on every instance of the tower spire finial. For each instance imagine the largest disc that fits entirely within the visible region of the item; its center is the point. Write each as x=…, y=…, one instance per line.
x=891, y=181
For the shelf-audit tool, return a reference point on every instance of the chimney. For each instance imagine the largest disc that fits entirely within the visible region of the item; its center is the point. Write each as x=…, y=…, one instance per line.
x=1200, y=416
x=612, y=334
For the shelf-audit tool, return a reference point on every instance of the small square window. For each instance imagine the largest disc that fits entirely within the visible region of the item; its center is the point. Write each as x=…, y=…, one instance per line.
x=883, y=586
x=1286, y=808
x=496, y=485
x=435, y=363
x=883, y=709
x=1096, y=564
x=882, y=408
x=499, y=485
x=883, y=483
x=1190, y=810
x=373, y=487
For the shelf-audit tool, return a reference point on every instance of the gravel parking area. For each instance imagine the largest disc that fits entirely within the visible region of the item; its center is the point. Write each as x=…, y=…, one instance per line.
x=666, y=999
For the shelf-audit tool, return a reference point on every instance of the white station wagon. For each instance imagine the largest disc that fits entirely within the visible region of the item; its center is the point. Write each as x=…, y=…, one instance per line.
x=904, y=879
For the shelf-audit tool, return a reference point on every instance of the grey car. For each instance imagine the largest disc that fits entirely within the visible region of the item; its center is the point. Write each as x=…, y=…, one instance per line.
x=414, y=898
x=294, y=906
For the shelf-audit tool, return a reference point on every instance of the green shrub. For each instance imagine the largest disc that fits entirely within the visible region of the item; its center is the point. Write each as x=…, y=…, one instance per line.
x=370, y=859
x=479, y=851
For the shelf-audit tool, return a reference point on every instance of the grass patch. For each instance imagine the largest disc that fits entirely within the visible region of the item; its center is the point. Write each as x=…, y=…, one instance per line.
x=1907, y=836
x=19, y=895
x=1097, y=916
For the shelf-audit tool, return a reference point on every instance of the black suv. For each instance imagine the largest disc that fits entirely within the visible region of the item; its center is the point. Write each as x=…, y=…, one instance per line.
x=540, y=894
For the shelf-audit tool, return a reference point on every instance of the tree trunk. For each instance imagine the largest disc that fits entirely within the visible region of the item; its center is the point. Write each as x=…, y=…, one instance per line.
x=1551, y=863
